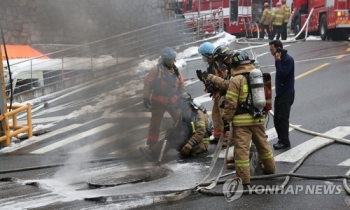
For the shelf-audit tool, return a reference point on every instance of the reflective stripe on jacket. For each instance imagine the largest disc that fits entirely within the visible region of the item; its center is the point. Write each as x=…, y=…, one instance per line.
x=286, y=10
x=162, y=85
x=266, y=17
x=196, y=129
x=278, y=17
x=237, y=93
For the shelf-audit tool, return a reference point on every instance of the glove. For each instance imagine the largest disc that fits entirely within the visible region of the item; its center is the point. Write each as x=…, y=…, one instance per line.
x=187, y=148
x=146, y=102
x=202, y=148
x=202, y=75
x=199, y=75
x=226, y=125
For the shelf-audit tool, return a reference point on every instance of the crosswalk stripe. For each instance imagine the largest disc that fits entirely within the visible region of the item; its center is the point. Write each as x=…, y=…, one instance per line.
x=107, y=140
x=42, y=137
x=73, y=138
x=296, y=153
x=271, y=133
x=345, y=163
x=43, y=120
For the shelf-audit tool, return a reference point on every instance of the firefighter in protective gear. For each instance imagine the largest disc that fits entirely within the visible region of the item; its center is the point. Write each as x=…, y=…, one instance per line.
x=189, y=134
x=277, y=20
x=246, y=127
x=162, y=87
x=266, y=21
x=222, y=56
x=286, y=10
x=207, y=50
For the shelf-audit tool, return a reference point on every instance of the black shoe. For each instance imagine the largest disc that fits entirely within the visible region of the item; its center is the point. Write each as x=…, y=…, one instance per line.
x=280, y=146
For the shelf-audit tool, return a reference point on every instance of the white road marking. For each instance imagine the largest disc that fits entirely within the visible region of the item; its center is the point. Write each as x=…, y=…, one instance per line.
x=108, y=140
x=72, y=139
x=296, y=153
x=271, y=133
x=345, y=163
x=44, y=120
x=42, y=137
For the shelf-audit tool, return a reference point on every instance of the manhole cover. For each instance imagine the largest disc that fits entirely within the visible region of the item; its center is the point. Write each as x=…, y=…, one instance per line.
x=119, y=178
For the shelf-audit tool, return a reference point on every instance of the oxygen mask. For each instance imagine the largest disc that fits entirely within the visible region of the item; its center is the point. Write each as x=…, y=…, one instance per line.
x=170, y=63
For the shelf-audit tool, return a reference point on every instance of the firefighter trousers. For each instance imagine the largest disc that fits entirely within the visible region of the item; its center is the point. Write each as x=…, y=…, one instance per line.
x=216, y=115
x=158, y=111
x=262, y=34
x=278, y=30
x=284, y=31
x=243, y=135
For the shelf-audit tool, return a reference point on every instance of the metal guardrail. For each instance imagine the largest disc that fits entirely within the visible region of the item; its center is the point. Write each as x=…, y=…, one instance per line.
x=104, y=53
x=15, y=129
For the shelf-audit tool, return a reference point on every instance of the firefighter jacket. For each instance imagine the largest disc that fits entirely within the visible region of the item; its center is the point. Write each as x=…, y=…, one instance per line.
x=266, y=17
x=286, y=10
x=277, y=17
x=163, y=85
x=193, y=125
x=237, y=93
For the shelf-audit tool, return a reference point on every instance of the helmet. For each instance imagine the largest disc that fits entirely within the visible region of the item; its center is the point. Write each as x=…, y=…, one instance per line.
x=206, y=49
x=168, y=53
x=186, y=96
x=221, y=53
x=278, y=4
x=240, y=57
x=266, y=4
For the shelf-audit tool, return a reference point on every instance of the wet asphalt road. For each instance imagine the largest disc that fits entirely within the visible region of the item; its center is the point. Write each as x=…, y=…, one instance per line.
x=321, y=105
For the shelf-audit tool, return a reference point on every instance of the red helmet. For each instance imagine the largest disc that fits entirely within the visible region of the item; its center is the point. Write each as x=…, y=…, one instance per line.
x=266, y=4
x=278, y=4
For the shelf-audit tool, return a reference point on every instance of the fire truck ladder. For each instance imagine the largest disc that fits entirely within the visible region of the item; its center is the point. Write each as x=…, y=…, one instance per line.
x=247, y=28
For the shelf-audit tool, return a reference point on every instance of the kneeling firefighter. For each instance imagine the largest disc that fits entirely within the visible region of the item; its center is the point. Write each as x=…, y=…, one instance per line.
x=190, y=133
x=244, y=108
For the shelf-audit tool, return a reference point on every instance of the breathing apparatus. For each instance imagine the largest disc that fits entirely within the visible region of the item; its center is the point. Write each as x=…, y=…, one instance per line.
x=256, y=100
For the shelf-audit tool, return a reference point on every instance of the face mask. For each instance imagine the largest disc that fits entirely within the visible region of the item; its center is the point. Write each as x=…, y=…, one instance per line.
x=205, y=59
x=169, y=63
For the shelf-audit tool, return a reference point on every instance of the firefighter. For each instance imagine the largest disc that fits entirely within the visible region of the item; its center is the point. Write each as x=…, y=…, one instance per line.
x=163, y=85
x=189, y=134
x=207, y=50
x=246, y=126
x=265, y=21
x=222, y=56
x=286, y=10
x=277, y=20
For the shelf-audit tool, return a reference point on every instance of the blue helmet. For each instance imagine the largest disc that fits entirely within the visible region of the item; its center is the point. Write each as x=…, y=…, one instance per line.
x=206, y=49
x=168, y=53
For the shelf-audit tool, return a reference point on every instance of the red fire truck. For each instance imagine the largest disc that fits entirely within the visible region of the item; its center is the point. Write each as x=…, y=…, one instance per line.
x=238, y=15
x=330, y=18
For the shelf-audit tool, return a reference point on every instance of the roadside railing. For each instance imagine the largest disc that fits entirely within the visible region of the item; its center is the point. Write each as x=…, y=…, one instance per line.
x=15, y=128
x=101, y=54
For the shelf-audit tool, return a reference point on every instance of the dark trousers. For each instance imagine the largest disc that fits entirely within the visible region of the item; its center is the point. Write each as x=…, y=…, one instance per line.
x=283, y=106
x=284, y=31
x=274, y=30
x=262, y=34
